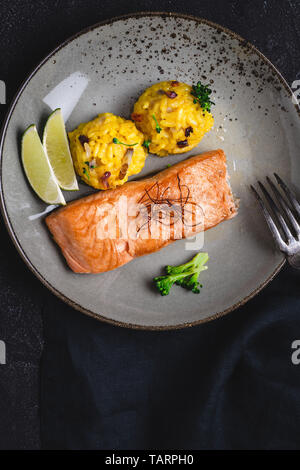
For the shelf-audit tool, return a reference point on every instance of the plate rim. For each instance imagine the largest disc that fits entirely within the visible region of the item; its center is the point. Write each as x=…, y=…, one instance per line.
x=4, y=212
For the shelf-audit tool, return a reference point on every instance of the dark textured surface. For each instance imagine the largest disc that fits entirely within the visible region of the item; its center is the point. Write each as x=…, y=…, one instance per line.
x=228, y=384
x=29, y=30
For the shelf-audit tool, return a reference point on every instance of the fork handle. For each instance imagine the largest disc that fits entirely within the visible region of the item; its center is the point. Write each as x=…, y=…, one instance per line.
x=294, y=260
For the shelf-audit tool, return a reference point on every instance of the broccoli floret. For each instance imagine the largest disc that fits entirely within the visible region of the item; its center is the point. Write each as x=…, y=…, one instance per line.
x=196, y=263
x=191, y=282
x=164, y=283
x=186, y=275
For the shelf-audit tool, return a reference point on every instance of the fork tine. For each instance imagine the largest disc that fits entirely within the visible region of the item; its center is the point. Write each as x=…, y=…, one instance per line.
x=275, y=209
x=274, y=230
x=285, y=207
x=289, y=194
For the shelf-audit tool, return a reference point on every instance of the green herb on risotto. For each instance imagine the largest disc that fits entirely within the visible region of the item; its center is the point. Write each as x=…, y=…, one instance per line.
x=146, y=144
x=202, y=96
x=86, y=172
x=157, y=127
x=116, y=141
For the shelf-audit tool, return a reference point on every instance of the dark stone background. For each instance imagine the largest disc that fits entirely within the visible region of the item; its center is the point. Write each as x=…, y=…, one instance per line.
x=29, y=31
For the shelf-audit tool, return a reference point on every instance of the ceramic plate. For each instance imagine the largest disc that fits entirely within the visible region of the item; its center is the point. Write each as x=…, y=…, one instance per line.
x=105, y=68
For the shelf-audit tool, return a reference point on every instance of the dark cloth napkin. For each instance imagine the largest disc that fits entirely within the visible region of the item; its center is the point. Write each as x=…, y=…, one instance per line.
x=226, y=384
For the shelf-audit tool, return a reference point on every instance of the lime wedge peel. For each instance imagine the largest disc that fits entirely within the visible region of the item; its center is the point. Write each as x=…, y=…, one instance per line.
x=56, y=145
x=38, y=169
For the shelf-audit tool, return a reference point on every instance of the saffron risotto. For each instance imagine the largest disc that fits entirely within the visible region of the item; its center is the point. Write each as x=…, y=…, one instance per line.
x=107, y=150
x=170, y=118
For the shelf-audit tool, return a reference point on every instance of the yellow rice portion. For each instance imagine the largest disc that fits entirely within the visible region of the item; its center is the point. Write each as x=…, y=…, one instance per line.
x=103, y=154
x=174, y=116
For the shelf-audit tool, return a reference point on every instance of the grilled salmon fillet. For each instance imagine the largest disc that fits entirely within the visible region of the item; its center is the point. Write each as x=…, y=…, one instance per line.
x=105, y=230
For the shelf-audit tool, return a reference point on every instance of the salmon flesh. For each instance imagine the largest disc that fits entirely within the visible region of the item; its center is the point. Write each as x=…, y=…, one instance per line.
x=107, y=229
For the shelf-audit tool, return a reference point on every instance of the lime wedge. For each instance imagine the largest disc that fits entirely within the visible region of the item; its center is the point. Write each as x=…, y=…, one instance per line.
x=38, y=169
x=55, y=142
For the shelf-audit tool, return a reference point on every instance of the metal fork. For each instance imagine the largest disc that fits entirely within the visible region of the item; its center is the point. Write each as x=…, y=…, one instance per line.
x=286, y=214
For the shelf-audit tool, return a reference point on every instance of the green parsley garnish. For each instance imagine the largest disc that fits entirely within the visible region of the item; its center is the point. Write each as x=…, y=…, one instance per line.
x=90, y=166
x=169, y=165
x=201, y=94
x=157, y=127
x=146, y=144
x=116, y=141
x=86, y=172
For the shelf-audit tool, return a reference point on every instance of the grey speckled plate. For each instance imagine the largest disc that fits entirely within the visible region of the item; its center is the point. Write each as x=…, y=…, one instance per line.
x=105, y=68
